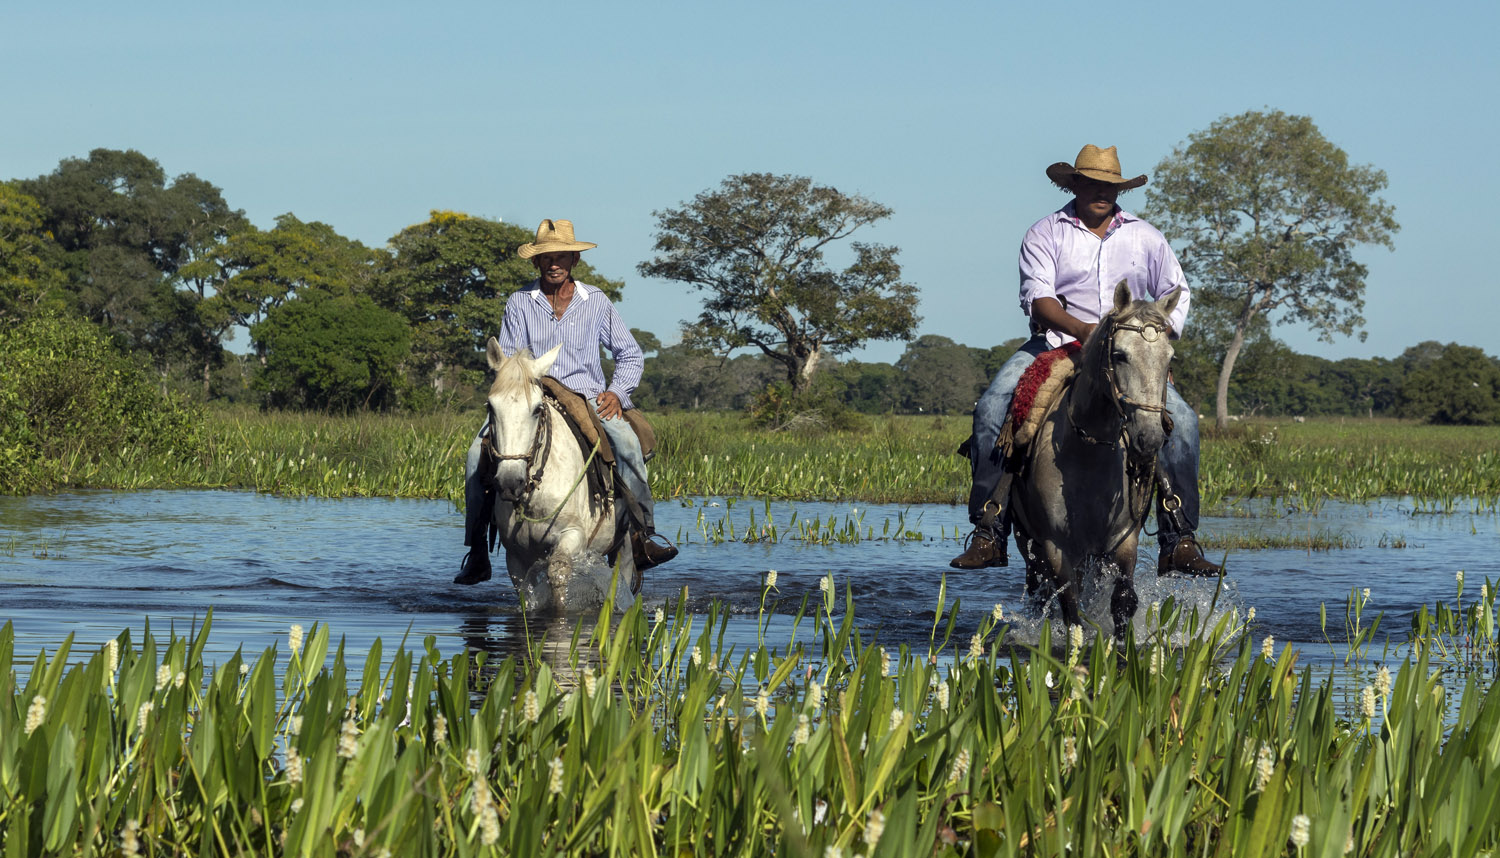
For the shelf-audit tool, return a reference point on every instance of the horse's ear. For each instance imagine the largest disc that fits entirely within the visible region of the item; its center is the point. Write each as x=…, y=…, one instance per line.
x=1122, y=295
x=1168, y=302
x=540, y=366
x=493, y=354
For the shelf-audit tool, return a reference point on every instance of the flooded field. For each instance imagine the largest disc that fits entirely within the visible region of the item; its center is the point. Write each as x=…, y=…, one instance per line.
x=93, y=563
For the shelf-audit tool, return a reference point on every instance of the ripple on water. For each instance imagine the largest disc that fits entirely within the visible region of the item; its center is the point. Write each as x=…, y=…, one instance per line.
x=92, y=563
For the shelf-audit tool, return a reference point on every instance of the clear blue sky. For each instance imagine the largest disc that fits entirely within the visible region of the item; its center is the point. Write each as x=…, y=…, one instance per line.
x=368, y=115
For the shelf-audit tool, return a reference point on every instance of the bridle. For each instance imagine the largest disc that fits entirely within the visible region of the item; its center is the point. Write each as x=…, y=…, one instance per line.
x=541, y=445
x=1150, y=333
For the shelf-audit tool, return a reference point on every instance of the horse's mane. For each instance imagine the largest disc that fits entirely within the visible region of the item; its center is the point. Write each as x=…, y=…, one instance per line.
x=1136, y=312
x=514, y=374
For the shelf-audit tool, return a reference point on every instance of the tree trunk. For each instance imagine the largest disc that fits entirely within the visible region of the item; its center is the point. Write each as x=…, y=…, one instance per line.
x=1221, y=398
x=808, y=368
x=205, y=380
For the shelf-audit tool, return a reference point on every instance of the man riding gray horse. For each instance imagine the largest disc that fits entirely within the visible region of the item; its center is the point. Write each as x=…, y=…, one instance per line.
x=1070, y=262
x=556, y=309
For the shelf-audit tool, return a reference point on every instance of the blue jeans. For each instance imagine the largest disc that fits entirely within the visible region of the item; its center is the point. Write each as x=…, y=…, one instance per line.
x=1178, y=459
x=630, y=464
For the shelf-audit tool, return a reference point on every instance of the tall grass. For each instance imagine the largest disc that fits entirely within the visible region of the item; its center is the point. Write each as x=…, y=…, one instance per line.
x=649, y=737
x=892, y=460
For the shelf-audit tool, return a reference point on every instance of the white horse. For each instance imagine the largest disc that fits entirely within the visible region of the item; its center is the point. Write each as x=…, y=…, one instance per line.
x=558, y=537
x=1085, y=485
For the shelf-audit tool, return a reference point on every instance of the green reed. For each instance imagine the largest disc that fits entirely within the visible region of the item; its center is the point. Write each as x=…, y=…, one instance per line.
x=896, y=459
x=648, y=736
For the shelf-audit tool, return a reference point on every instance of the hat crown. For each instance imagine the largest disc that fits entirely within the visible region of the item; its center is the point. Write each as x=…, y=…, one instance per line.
x=553, y=231
x=553, y=236
x=1092, y=158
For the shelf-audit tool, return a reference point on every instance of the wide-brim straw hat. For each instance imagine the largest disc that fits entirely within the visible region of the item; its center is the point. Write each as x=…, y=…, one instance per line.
x=1101, y=165
x=553, y=236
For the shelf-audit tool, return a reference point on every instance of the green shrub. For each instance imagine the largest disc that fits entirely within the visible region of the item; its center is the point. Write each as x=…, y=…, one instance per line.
x=68, y=395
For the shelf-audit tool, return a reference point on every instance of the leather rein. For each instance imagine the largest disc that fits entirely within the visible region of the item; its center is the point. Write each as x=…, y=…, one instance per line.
x=536, y=457
x=1118, y=397
x=1141, y=474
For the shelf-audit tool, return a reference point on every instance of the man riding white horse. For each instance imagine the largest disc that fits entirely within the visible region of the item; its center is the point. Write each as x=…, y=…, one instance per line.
x=1070, y=262
x=556, y=309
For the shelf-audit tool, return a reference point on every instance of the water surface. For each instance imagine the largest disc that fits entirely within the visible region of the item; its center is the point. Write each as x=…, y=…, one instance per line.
x=93, y=563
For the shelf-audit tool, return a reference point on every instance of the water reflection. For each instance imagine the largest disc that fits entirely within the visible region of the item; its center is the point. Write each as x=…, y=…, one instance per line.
x=93, y=563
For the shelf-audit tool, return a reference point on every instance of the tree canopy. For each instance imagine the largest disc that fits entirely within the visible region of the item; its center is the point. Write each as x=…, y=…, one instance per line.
x=756, y=246
x=1266, y=213
x=449, y=278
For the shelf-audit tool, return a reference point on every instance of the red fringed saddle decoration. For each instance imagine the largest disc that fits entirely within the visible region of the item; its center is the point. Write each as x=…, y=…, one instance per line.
x=1042, y=382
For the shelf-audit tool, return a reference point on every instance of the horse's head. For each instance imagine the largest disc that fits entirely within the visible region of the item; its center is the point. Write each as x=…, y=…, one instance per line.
x=1132, y=347
x=515, y=410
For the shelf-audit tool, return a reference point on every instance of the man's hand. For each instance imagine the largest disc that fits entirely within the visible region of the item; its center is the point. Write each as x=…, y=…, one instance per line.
x=609, y=405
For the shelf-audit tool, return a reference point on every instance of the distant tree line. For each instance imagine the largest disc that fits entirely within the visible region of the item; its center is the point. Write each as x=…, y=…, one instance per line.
x=169, y=271
x=1450, y=384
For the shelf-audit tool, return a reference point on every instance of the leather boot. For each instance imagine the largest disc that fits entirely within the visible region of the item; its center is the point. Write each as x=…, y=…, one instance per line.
x=1186, y=558
x=984, y=548
x=648, y=552
x=476, y=564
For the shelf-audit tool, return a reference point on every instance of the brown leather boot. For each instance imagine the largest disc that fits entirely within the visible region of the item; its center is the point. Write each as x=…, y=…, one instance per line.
x=984, y=548
x=649, y=553
x=1186, y=558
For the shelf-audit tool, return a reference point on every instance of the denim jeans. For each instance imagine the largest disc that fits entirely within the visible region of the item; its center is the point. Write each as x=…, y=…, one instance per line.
x=1179, y=458
x=630, y=464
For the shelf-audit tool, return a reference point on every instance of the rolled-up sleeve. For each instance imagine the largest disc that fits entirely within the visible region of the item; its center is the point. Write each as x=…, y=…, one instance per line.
x=630, y=361
x=1169, y=277
x=1038, y=266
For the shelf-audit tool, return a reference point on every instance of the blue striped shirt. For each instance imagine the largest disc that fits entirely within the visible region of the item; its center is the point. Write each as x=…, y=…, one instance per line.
x=589, y=322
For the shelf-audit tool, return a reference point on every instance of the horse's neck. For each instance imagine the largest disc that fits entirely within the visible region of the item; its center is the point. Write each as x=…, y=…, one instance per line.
x=1090, y=406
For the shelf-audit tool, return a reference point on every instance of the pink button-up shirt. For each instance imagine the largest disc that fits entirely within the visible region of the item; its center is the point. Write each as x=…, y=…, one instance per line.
x=1061, y=258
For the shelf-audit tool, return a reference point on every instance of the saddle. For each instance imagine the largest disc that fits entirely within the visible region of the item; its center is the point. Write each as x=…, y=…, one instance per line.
x=1042, y=383
x=588, y=430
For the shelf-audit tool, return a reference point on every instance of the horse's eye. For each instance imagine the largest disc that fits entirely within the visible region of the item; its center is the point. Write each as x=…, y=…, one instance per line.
x=1120, y=357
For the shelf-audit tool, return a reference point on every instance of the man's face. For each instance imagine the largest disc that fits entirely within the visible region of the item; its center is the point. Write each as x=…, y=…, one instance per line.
x=1093, y=199
x=555, y=268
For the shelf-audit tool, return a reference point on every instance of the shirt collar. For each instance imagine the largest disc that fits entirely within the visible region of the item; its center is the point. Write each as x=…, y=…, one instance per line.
x=581, y=291
x=1068, y=214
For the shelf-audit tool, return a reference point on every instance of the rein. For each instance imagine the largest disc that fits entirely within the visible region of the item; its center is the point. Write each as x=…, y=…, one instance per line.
x=1118, y=398
x=541, y=446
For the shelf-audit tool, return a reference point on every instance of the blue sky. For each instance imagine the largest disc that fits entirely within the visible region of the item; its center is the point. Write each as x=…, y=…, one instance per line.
x=368, y=116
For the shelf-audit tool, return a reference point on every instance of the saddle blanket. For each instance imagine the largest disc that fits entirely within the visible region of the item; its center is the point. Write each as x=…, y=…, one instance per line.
x=1040, y=385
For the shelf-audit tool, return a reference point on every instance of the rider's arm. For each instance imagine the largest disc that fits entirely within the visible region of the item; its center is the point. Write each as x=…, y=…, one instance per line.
x=1050, y=312
x=630, y=361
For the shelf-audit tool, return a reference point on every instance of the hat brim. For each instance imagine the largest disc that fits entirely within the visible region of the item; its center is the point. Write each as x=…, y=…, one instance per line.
x=1062, y=175
x=526, y=251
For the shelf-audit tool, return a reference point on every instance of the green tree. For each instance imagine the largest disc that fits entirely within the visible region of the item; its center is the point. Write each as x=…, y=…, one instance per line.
x=1462, y=386
x=941, y=376
x=872, y=388
x=756, y=246
x=1268, y=212
x=259, y=270
x=449, y=277
x=334, y=352
x=30, y=277
x=129, y=239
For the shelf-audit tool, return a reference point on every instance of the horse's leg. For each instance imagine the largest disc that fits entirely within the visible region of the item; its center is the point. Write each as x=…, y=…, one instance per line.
x=1124, y=602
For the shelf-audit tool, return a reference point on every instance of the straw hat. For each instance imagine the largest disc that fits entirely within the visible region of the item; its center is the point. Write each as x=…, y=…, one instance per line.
x=1101, y=165
x=553, y=236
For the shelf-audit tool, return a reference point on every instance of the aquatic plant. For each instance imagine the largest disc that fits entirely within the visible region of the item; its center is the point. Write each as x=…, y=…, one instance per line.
x=649, y=736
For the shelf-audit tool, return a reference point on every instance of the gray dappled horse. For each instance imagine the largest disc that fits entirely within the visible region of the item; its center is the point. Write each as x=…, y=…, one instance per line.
x=1085, y=483
x=556, y=536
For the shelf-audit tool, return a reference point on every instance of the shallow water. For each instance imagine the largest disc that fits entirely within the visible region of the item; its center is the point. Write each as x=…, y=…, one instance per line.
x=93, y=563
